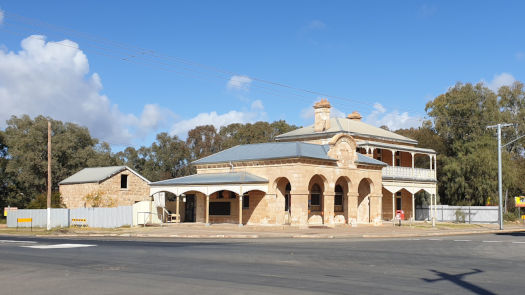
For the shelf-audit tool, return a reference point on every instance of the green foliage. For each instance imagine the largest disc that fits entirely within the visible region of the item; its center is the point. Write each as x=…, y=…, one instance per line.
x=40, y=201
x=467, y=151
x=23, y=157
x=99, y=199
x=170, y=157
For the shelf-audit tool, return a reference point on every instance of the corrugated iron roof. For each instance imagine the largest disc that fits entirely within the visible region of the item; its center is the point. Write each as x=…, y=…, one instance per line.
x=267, y=151
x=362, y=159
x=97, y=174
x=213, y=178
x=344, y=125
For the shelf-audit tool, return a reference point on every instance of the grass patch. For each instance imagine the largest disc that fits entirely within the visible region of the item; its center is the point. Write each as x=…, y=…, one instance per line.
x=3, y=220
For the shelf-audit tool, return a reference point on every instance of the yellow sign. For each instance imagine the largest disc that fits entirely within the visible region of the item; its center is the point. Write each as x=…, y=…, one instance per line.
x=520, y=201
x=20, y=220
x=78, y=219
x=7, y=209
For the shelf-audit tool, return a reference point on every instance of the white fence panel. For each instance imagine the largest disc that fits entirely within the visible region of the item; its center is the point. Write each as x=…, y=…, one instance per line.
x=466, y=214
x=95, y=217
x=59, y=217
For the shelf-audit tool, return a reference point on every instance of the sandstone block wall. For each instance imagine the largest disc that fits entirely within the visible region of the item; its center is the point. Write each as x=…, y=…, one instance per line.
x=73, y=195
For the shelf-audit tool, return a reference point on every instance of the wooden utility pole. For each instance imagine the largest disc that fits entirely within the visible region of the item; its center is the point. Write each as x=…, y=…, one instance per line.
x=48, y=175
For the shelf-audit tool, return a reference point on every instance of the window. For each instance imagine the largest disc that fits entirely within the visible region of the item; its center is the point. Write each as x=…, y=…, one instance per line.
x=220, y=208
x=123, y=181
x=245, y=201
x=379, y=155
x=220, y=195
x=398, y=159
x=315, y=198
x=338, y=199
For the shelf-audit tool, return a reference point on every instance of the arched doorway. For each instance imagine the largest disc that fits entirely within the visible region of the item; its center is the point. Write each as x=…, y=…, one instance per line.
x=316, y=200
x=340, y=200
x=283, y=190
x=363, y=201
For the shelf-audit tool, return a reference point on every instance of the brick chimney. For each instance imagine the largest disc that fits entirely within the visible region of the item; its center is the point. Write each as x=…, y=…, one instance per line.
x=322, y=115
x=355, y=116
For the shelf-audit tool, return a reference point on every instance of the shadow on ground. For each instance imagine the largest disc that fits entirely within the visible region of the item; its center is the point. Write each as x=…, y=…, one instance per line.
x=458, y=279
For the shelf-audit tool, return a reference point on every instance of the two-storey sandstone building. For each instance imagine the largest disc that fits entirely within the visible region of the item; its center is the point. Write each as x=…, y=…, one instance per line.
x=120, y=185
x=336, y=171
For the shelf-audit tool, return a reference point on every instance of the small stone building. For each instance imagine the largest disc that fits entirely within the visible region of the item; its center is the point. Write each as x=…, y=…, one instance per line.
x=120, y=185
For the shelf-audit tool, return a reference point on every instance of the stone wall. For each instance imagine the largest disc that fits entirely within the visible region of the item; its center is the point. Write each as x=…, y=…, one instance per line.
x=73, y=195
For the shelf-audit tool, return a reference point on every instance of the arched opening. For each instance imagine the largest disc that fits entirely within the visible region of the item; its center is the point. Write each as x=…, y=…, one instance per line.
x=316, y=200
x=252, y=212
x=224, y=207
x=283, y=190
x=340, y=200
x=363, y=201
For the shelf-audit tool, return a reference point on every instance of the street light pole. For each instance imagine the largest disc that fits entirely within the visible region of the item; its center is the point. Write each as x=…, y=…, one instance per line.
x=500, y=189
x=48, y=175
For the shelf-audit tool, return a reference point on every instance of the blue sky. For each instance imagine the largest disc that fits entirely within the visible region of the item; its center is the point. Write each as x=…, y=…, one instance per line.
x=133, y=69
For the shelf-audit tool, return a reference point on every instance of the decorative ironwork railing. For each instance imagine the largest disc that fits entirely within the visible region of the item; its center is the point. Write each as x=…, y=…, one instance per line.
x=408, y=173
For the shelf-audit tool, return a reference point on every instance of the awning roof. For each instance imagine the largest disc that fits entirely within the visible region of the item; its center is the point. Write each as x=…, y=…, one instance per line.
x=395, y=147
x=209, y=183
x=213, y=178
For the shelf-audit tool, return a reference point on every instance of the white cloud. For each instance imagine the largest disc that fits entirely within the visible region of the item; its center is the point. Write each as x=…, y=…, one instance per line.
x=239, y=83
x=1, y=16
x=503, y=79
x=53, y=79
x=256, y=113
x=394, y=120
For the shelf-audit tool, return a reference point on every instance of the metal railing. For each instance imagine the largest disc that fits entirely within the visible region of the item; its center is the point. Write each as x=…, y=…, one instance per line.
x=393, y=172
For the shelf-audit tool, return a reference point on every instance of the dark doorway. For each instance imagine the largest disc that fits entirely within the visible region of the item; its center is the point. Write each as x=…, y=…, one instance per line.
x=189, y=212
x=398, y=203
x=287, y=197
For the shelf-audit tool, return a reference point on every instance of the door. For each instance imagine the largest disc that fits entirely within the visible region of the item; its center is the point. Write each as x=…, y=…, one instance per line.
x=189, y=214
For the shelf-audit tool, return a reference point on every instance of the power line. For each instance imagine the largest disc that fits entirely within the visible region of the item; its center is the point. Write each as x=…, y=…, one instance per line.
x=142, y=52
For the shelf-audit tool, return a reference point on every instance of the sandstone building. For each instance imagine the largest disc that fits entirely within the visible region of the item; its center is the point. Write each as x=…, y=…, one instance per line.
x=336, y=171
x=119, y=185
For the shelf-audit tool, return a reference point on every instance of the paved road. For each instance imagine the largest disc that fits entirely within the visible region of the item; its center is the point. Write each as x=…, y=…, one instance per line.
x=473, y=264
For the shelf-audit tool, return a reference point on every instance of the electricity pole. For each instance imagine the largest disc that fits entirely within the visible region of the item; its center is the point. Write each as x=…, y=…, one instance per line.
x=500, y=191
x=48, y=175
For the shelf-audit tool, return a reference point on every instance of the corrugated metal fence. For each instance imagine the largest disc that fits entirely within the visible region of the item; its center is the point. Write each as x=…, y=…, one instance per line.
x=464, y=214
x=95, y=217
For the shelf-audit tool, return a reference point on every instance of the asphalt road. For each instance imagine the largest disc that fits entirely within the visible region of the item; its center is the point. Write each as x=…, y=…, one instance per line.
x=472, y=264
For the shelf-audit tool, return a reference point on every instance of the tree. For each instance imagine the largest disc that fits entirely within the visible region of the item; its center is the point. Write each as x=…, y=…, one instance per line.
x=40, y=201
x=73, y=148
x=203, y=141
x=467, y=151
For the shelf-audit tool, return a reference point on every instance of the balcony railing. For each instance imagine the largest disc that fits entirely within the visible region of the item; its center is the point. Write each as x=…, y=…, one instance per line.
x=408, y=173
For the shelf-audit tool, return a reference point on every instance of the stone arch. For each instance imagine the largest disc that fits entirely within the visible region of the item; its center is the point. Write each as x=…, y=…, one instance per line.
x=343, y=148
x=341, y=191
x=365, y=188
x=316, y=188
x=282, y=188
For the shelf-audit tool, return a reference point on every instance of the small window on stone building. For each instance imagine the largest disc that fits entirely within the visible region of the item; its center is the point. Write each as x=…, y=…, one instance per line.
x=220, y=195
x=123, y=181
x=245, y=201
